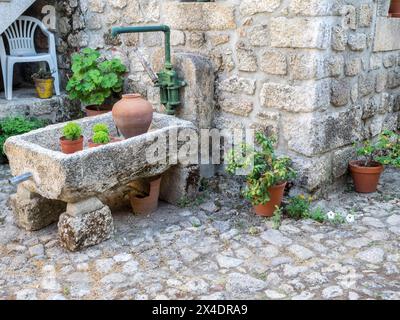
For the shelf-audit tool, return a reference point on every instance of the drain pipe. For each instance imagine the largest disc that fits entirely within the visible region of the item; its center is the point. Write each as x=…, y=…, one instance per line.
x=19, y=179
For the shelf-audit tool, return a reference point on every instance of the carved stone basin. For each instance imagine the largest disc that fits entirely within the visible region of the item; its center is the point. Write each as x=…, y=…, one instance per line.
x=74, y=183
x=91, y=172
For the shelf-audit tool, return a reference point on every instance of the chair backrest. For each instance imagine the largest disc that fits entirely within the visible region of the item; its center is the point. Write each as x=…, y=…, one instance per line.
x=20, y=36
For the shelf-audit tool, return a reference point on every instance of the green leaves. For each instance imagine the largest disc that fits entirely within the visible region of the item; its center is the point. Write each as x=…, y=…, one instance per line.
x=266, y=169
x=94, y=78
x=101, y=133
x=72, y=131
x=101, y=137
x=386, y=150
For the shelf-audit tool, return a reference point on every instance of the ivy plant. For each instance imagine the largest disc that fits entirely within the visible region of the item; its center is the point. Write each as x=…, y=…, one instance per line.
x=94, y=77
x=266, y=169
x=386, y=150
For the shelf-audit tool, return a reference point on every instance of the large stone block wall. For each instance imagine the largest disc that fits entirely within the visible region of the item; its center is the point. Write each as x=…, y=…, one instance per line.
x=307, y=70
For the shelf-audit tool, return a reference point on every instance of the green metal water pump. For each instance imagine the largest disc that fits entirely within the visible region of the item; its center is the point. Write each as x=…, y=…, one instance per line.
x=167, y=79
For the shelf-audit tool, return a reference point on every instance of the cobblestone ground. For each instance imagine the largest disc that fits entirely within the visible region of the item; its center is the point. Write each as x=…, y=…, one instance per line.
x=217, y=254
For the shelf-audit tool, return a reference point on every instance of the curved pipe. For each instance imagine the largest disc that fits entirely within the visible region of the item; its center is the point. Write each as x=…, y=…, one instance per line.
x=158, y=28
x=19, y=179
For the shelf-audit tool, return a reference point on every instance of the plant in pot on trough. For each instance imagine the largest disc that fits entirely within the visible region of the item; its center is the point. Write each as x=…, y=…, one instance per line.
x=96, y=81
x=367, y=170
x=72, y=139
x=44, y=83
x=268, y=174
x=101, y=136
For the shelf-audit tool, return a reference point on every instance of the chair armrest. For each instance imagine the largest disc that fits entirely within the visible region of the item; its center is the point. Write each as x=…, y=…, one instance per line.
x=3, y=52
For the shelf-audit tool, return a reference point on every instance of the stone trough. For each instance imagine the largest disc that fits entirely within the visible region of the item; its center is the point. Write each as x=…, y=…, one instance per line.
x=76, y=186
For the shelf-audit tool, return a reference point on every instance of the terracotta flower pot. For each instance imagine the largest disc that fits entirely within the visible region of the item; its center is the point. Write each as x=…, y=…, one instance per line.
x=394, y=9
x=365, y=178
x=44, y=88
x=71, y=146
x=91, y=144
x=276, y=194
x=132, y=115
x=92, y=111
x=149, y=204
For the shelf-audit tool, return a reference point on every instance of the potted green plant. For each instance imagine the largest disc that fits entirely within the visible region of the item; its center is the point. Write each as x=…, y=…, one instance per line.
x=268, y=174
x=96, y=81
x=367, y=170
x=72, y=139
x=44, y=83
x=101, y=136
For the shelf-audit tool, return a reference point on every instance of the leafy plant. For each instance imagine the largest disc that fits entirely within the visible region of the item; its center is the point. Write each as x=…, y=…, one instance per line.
x=94, y=78
x=101, y=137
x=100, y=127
x=298, y=207
x=72, y=131
x=386, y=150
x=12, y=126
x=42, y=74
x=266, y=169
x=277, y=218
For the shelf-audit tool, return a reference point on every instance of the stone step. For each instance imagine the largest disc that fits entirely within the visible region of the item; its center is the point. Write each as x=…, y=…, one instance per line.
x=25, y=103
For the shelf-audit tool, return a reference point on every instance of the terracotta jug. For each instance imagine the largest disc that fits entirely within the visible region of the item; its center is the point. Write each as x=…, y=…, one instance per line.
x=132, y=115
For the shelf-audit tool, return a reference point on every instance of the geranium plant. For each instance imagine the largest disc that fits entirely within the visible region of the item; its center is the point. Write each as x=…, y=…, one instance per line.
x=267, y=170
x=386, y=150
x=95, y=78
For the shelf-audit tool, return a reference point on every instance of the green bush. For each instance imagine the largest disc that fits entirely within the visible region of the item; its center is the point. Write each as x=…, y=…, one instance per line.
x=72, y=131
x=101, y=137
x=13, y=126
x=100, y=127
x=94, y=77
x=266, y=171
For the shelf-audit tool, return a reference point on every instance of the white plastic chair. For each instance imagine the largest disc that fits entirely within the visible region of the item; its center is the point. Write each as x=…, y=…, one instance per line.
x=20, y=37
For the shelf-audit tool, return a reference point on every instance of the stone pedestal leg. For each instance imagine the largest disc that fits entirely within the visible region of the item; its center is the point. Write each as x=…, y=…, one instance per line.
x=179, y=182
x=84, y=224
x=32, y=211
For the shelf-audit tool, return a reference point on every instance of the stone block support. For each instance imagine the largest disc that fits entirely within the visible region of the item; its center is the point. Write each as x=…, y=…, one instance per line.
x=84, y=224
x=32, y=211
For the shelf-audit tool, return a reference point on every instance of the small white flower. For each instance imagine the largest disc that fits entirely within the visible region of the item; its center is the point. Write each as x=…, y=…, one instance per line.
x=331, y=215
x=350, y=218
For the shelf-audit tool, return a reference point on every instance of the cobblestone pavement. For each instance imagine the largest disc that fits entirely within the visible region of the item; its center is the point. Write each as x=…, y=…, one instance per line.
x=215, y=254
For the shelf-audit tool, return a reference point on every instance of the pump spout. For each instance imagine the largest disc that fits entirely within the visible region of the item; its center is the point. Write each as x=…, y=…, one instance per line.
x=19, y=179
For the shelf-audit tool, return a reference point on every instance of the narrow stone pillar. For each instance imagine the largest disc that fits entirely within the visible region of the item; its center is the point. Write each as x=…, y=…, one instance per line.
x=198, y=107
x=85, y=224
x=32, y=211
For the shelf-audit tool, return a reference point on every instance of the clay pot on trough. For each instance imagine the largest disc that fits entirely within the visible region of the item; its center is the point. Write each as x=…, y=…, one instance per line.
x=394, y=10
x=92, y=111
x=132, y=115
x=276, y=195
x=91, y=144
x=147, y=204
x=71, y=146
x=365, y=178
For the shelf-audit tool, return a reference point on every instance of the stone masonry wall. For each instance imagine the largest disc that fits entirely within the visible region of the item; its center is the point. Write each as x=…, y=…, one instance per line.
x=305, y=70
